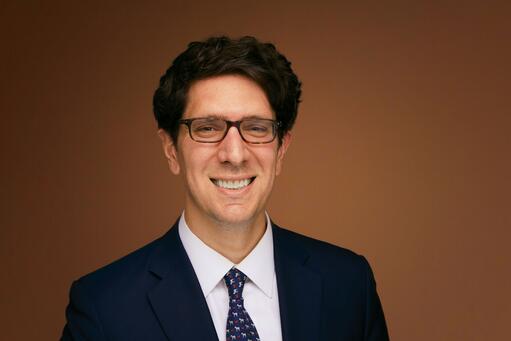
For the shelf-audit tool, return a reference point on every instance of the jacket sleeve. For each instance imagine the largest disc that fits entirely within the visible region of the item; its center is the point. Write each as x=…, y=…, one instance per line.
x=82, y=321
x=375, y=326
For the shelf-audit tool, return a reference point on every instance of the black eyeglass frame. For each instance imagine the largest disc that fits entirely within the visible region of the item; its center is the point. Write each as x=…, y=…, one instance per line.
x=188, y=122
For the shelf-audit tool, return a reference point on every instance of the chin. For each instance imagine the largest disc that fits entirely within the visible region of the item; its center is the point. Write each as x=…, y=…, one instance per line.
x=235, y=217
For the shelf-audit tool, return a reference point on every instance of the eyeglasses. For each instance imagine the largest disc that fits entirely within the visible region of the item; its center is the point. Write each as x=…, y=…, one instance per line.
x=212, y=130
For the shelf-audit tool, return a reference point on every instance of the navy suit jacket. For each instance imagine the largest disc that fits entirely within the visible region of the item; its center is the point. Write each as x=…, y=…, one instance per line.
x=326, y=293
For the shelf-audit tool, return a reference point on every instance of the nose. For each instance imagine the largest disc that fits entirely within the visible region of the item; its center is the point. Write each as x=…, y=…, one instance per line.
x=232, y=148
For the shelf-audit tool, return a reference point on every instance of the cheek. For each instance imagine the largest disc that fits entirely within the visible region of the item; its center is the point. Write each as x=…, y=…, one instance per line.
x=195, y=165
x=270, y=163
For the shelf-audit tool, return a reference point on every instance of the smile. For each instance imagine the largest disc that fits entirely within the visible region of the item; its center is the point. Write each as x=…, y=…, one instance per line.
x=233, y=184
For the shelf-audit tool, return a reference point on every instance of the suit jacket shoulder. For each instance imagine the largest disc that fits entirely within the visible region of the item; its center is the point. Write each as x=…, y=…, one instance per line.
x=116, y=277
x=326, y=288
x=150, y=294
x=316, y=246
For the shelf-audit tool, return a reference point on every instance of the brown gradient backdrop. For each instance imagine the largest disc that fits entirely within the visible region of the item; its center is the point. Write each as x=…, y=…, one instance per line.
x=401, y=151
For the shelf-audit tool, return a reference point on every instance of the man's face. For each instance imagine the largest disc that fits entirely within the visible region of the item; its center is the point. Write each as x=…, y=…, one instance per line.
x=210, y=168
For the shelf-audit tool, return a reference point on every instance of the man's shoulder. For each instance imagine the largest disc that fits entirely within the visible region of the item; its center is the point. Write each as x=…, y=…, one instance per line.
x=322, y=255
x=122, y=274
x=314, y=245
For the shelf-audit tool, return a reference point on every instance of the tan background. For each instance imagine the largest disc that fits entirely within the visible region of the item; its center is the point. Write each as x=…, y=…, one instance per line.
x=401, y=151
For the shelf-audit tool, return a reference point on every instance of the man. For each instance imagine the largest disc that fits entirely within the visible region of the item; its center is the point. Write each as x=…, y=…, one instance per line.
x=224, y=271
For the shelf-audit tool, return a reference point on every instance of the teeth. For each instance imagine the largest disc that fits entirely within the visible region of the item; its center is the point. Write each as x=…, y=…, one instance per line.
x=237, y=184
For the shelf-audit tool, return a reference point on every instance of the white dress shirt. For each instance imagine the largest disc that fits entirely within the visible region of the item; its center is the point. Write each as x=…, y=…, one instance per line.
x=260, y=292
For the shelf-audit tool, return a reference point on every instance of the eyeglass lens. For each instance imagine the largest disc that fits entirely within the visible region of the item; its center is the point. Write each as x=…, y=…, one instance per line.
x=213, y=130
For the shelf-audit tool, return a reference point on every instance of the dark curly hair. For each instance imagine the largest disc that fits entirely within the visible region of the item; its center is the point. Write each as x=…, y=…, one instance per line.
x=217, y=56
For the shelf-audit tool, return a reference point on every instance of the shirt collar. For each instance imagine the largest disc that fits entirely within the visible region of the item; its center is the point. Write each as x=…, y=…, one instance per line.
x=210, y=266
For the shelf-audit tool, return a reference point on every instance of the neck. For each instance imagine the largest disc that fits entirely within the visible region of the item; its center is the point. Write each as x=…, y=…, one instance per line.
x=234, y=241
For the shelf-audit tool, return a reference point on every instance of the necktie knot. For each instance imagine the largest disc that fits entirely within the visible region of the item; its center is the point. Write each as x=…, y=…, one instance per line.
x=235, y=281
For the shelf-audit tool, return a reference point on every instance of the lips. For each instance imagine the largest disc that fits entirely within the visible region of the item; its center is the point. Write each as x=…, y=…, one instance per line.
x=233, y=184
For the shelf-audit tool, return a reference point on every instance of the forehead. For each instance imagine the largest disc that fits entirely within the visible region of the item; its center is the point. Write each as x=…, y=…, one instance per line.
x=229, y=96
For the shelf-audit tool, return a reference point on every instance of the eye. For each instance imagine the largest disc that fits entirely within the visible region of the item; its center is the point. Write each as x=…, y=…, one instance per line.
x=206, y=128
x=257, y=128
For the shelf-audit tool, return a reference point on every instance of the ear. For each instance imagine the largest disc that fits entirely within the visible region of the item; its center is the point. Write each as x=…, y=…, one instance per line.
x=286, y=140
x=170, y=150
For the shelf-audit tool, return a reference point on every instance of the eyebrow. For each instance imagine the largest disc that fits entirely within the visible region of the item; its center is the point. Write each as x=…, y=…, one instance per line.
x=221, y=117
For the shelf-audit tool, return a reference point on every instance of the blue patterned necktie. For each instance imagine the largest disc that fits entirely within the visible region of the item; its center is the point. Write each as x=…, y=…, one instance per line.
x=239, y=323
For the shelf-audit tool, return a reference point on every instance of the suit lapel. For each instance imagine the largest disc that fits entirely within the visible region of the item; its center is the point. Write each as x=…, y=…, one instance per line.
x=299, y=289
x=177, y=300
